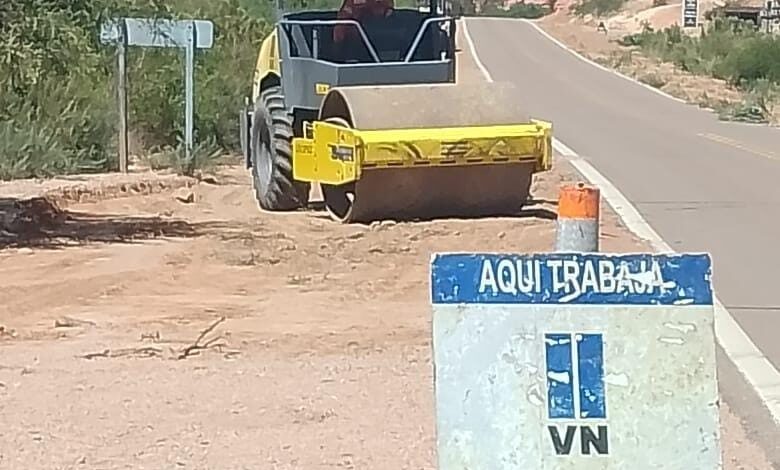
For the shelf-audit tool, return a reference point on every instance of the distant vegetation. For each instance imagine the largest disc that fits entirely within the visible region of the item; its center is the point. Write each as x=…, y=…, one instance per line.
x=730, y=50
x=58, y=105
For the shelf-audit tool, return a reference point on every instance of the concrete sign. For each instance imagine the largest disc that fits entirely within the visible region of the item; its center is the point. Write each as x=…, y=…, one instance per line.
x=564, y=361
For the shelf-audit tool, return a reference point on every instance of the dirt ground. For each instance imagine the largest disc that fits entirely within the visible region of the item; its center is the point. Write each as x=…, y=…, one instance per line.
x=322, y=361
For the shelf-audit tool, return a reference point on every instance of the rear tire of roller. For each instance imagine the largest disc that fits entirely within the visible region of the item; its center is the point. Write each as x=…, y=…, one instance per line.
x=271, y=147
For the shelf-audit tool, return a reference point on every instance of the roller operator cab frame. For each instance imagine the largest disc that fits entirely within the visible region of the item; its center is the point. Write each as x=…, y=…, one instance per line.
x=380, y=125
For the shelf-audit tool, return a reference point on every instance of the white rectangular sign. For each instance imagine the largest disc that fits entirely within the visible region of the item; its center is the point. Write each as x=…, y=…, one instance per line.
x=147, y=32
x=574, y=361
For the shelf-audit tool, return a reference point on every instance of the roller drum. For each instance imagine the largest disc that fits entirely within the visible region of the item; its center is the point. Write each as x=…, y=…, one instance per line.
x=419, y=106
x=435, y=191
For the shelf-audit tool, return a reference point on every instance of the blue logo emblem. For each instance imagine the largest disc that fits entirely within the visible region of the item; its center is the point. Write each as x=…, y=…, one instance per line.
x=575, y=376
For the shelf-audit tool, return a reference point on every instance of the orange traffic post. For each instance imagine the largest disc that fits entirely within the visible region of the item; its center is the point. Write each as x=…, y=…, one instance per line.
x=578, y=218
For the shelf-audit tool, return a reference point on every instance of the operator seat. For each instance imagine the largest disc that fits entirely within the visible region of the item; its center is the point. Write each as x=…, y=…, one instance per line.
x=346, y=37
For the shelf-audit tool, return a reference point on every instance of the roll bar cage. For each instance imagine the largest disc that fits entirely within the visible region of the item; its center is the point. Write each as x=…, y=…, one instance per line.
x=433, y=7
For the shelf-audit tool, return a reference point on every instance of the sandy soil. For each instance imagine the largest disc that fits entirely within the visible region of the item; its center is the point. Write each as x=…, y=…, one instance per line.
x=659, y=17
x=323, y=359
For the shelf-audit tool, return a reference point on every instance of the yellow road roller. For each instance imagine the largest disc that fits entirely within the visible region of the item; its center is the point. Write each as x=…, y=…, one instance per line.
x=368, y=108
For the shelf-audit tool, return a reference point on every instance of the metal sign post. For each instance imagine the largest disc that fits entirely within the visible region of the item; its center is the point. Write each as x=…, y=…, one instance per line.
x=189, y=72
x=146, y=32
x=565, y=360
x=122, y=96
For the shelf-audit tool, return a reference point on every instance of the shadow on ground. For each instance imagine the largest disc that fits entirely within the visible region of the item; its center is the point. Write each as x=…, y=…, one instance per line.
x=532, y=210
x=38, y=222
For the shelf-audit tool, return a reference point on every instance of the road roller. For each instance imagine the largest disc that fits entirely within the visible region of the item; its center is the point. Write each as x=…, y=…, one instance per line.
x=365, y=110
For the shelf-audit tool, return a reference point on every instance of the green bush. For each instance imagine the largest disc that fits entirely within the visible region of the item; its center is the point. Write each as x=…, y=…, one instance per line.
x=729, y=49
x=58, y=105
x=52, y=120
x=753, y=59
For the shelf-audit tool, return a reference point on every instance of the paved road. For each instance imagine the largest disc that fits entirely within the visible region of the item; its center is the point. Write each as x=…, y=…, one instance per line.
x=702, y=184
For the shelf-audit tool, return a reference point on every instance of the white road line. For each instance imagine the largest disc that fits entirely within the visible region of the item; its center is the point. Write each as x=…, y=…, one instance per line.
x=474, y=54
x=601, y=67
x=583, y=58
x=754, y=366
x=625, y=210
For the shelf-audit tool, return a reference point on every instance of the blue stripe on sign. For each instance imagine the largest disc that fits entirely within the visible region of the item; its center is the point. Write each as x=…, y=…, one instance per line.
x=571, y=278
x=560, y=389
x=590, y=360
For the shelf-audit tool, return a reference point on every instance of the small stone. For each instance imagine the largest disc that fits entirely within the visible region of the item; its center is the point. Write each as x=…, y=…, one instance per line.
x=185, y=195
x=208, y=179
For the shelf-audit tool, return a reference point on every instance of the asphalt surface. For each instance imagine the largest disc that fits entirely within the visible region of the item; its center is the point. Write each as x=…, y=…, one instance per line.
x=702, y=184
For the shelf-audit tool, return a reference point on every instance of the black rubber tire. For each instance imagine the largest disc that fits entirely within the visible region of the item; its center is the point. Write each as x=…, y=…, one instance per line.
x=271, y=144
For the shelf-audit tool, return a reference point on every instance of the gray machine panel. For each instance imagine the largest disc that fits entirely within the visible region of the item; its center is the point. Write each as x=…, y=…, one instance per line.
x=300, y=77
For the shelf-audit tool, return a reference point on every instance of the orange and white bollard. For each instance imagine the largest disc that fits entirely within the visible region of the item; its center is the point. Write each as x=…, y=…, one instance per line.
x=578, y=218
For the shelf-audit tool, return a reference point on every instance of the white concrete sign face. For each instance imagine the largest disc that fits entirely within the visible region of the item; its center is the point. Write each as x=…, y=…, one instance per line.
x=148, y=32
x=572, y=361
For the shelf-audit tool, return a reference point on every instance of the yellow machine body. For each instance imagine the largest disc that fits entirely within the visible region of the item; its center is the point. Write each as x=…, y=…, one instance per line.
x=397, y=151
x=267, y=62
x=332, y=154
